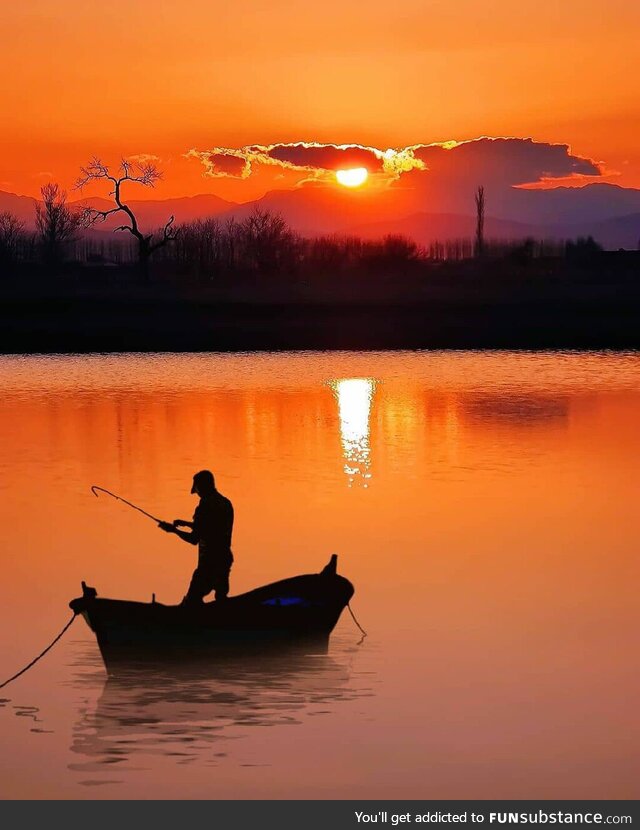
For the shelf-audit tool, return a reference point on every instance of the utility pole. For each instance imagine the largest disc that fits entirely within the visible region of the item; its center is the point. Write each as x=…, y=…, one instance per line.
x=479, y=222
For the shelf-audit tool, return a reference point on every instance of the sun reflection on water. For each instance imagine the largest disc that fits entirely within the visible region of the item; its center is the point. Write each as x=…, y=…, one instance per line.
x=355, y=397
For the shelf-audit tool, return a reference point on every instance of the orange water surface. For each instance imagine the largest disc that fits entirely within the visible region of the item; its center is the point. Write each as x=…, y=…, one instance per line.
x=483, y=504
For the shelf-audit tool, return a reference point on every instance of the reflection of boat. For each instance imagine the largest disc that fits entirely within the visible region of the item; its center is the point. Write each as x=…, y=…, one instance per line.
x=200, y=712
x=301, y=609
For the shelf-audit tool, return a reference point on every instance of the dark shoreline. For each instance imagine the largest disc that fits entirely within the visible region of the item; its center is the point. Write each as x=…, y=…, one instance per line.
x=83, y=325
x=543, y=304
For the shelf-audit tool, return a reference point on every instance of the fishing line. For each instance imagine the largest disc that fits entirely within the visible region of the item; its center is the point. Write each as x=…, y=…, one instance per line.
x=42, y=654
x=119, y=498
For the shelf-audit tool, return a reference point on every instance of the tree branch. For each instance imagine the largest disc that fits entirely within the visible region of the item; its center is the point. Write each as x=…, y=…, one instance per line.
x=144, y=173
x=169, y=234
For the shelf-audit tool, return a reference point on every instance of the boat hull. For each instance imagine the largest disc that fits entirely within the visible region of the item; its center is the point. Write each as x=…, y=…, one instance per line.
x=297, y=612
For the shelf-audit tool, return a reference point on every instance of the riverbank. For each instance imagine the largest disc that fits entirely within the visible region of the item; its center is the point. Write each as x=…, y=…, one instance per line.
x=457, y=307
x=83, y=325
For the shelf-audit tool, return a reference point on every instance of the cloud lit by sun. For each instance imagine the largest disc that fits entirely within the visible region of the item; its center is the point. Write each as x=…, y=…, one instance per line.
x=354, y=177
x=450, y=168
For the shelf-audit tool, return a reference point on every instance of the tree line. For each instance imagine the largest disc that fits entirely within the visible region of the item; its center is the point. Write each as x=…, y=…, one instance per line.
x=262, y=243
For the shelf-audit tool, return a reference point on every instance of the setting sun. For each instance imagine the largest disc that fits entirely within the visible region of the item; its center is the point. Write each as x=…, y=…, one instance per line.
x=353, y=177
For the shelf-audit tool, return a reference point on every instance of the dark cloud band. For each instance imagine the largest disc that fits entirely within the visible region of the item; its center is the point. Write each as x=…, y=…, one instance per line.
x=505, y=162
x=327, y=156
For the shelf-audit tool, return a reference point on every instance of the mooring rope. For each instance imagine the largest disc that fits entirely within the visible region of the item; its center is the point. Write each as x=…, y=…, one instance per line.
x=354, y=619
x=42, y=654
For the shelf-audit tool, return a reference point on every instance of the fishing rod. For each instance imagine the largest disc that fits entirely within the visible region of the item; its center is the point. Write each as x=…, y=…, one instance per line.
x=119, y=498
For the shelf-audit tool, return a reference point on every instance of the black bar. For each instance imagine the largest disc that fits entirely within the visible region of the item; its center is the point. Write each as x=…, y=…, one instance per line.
x=322, y=815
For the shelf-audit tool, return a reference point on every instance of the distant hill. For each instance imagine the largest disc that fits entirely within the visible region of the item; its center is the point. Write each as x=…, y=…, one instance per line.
x=23, y=207
x=315, y=209
x=154, y=213
x=621, y=232
x=425, y=228
x=567, y=205
x=600, y=210
x=151, y=213
x=611, y=214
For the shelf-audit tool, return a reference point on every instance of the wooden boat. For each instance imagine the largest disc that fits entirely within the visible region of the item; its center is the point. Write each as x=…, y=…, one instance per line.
x=302, y=610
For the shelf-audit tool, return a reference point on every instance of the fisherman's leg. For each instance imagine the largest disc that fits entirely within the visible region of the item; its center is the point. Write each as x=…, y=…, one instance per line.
x=200, y=585
x=221, y=584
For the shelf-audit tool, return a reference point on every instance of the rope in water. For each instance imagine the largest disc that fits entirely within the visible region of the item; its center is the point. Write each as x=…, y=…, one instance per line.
x=355, y=621
x=42, y=654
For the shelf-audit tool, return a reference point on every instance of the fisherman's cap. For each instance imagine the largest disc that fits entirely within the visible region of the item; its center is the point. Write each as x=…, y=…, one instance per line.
x=204, y=479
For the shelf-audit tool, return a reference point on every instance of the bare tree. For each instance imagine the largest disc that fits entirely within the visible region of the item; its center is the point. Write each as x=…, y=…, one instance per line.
x=11, y=237
x=398, y=249
x=479, y=222
x=144, y=173
x=57, y=224
x=201, y=246
x=267, y=240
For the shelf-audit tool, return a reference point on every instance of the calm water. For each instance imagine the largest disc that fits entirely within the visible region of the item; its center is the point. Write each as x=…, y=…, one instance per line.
x=484, y=505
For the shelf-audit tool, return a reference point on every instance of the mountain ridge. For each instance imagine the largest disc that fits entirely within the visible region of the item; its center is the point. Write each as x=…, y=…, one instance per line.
x=610, y=213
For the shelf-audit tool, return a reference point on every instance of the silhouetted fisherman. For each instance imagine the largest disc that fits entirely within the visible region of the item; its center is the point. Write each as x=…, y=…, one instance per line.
x=211, y=530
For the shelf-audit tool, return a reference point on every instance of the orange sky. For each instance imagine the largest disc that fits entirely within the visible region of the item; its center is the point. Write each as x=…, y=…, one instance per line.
x=162, y=78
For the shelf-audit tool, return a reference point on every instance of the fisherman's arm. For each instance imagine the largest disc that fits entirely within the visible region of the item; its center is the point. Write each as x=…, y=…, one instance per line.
x=192, y=537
